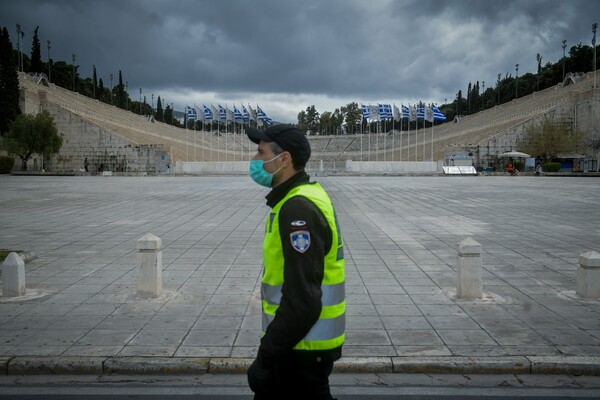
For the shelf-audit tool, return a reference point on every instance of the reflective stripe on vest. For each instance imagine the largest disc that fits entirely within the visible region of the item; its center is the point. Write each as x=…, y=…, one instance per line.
x=328, y=331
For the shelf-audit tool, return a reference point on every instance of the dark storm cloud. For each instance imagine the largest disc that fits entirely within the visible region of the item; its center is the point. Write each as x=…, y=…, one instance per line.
x=342, y=50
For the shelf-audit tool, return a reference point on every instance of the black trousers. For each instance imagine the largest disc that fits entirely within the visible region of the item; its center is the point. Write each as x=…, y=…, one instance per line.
x=289, y=379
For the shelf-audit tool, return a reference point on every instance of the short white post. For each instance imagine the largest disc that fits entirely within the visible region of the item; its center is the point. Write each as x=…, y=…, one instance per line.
x=469, y=267
x=13, y=276
x=149, y=279
x=321, y=167
x=588, y=275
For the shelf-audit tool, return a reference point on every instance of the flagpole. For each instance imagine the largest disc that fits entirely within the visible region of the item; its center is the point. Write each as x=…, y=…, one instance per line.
x=423, y=135
x=187, y=158
x=408, y=136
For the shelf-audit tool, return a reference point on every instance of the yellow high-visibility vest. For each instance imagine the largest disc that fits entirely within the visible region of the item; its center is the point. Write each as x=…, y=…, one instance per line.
x=329, y=331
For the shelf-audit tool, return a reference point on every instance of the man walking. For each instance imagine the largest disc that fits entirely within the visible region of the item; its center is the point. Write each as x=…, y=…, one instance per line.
x=302, y=288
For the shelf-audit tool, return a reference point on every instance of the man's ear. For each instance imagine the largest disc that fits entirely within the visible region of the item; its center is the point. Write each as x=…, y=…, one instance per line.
x=286, y=158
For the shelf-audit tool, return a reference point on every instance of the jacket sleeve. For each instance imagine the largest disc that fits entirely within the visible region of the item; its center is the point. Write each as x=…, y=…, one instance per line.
x=300, y=304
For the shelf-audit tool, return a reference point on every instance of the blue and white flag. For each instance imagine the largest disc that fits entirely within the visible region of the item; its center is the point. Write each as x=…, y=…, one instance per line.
x=365, y=111
x=222, y=113
x=191, y=113
x=385, y=111
x=405, y=112
x=245, y=114
x=262, y=116
x=420, y=112
x=437, y=114
x=237, y=115
x=207, y=113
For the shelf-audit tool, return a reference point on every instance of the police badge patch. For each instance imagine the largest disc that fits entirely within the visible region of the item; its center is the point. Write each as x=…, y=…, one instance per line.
x=300, y=240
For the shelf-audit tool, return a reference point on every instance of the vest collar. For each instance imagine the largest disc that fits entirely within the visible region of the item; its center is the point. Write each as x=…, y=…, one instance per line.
x=278, y=193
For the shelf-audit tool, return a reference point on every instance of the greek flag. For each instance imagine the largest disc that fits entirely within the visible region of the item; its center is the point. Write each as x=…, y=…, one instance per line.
x=245, y=114
x=207, y=113
x=437, y=114
x=385, y=111
x=365, y=111
x=222, y=113
x=420, y=112
x=215, y=112
x=262, y=116
x=405, y=112
x=237, y=115
x=191, y=113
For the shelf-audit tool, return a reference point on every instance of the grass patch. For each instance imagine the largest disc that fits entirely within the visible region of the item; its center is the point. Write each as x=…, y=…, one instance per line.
x=4, y=253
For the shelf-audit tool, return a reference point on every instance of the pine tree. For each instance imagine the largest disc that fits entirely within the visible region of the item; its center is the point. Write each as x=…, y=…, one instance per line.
x=121, y=92
x=95, y=90
x=9, y=83
x=160, y=116
x=36, y=55
x=101, y=90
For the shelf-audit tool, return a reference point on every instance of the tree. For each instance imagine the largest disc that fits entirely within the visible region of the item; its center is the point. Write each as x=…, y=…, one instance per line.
x=9, y=83
x=28, y=135
x=352, y=115
x=312, y=119
x=121, y=99
x=548, y=138
x=36, y=55
x=302, y=121
x=159, y=111
x=168, y=115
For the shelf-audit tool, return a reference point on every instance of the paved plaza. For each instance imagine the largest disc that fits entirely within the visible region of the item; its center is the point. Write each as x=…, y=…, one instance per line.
x=401, y=235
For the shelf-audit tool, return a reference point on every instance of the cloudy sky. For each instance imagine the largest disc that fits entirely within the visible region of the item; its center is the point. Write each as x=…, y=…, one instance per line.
x=286, y=55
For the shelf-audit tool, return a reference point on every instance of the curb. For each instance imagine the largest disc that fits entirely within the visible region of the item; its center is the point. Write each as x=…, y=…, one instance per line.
x=544, y=365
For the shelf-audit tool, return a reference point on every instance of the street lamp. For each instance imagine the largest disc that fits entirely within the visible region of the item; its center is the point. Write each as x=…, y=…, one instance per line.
x=73, y=73
x=111, y=89
x=94, y=81
x=140, y=101
x=498, y=87
x=594, y=27
x=153, y=102
x=538, y=57
x=19, y=47
x=517, y=82
x=564, y=46
x=49, y=64
x=482, y=93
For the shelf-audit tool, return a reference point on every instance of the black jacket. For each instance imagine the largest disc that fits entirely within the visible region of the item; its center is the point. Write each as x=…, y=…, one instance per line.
x=300, y=304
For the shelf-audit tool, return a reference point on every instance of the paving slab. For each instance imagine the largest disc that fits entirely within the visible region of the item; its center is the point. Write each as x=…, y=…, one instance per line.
x=400, y=235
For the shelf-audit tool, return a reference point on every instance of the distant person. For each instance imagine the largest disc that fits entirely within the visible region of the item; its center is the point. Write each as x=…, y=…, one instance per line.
x=302, y=287
x=511, y=170
x=538, y=170
x=86, y=165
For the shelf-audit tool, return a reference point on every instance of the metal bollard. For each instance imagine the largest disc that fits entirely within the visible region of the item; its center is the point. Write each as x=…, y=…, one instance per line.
x=588, y=275
x=13, y=276
x=149, y=278
x=469, y=268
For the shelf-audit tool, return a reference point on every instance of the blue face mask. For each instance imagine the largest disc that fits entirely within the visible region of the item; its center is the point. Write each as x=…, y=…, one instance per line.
x=259, y=174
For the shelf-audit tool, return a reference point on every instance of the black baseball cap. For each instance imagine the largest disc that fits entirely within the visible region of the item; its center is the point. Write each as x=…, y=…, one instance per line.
x=288, y=137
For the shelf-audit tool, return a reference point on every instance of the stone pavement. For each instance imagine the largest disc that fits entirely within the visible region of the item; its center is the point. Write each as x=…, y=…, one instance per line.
x=81, y=312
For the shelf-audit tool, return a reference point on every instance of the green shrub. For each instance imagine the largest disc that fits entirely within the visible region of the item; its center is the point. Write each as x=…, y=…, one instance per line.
x=6, y=164
x=551, y=167
x=520, y=165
